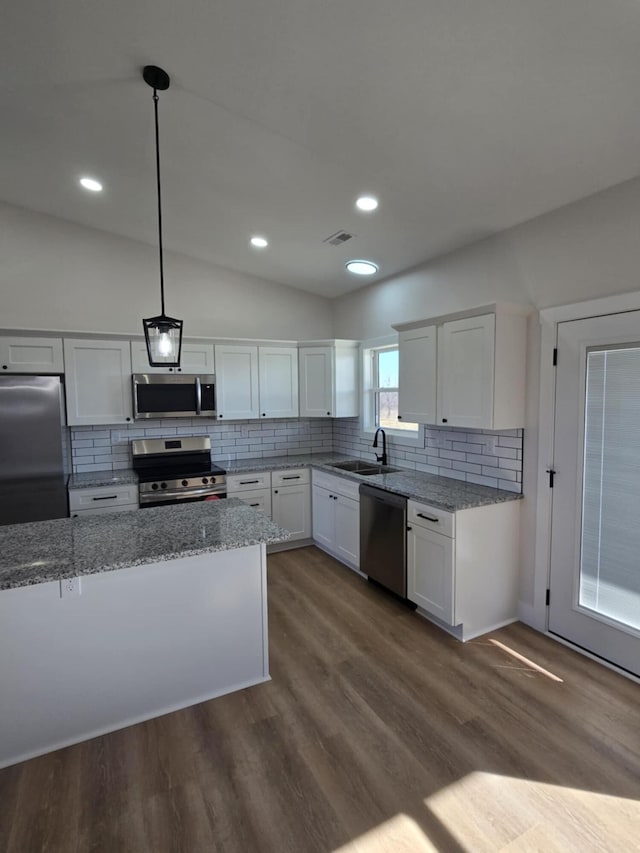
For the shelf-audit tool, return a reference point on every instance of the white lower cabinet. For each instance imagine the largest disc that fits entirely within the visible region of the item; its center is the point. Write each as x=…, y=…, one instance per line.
x=102, y=499
x=282, y=495
x=336, y=517
x=291, y=501
x=253, y=489
x=462, y=568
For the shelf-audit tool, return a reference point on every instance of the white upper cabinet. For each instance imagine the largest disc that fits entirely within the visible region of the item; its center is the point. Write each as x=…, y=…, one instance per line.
x=479, y=362
x=31, y=355
x=237, y=396
x=467, y=350
x=418, y=375
x=97, y=381
x=194, y=358
x=278, y=372
x=329, y=380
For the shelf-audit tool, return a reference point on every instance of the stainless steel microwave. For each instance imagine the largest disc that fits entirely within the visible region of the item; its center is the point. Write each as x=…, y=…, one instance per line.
x=174, y=395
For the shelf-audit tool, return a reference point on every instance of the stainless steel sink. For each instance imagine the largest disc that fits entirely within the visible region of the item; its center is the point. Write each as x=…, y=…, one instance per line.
x=364, y=468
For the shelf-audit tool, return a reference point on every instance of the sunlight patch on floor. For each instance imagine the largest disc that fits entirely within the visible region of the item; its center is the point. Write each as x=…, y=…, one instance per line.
x=525, y=660
x=488, y=812
x=399, y=834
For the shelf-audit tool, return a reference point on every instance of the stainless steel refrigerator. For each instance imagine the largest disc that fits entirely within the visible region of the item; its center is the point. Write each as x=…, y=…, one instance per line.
x=33, y=480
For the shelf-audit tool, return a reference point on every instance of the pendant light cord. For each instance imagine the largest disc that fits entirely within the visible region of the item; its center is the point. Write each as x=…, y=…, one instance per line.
x=155, y=106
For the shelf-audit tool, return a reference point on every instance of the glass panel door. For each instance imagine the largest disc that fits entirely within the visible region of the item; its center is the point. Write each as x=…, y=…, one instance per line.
x=595, y=530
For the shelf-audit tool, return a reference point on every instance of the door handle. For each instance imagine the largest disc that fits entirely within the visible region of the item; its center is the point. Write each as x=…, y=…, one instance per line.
x=198, y=396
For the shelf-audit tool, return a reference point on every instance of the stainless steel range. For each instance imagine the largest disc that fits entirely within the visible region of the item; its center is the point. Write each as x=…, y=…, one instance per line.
x=176, y=470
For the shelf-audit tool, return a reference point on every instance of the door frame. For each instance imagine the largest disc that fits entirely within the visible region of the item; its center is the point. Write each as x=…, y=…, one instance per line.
x=537, y=614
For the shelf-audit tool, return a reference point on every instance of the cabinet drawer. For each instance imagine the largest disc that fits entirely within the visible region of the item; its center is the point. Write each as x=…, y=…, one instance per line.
x=96, y=510
x=431, y=518
x=337, y=485
x=290, y=477
x=242, y=482
x=259, y=499
x=103, y=497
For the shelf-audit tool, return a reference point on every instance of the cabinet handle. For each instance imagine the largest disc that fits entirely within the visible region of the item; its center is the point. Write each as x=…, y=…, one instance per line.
x=292, y=477
x=409, y=528
x=328, y=413
x=4, y=366
x=128, y=419
x=275, y=491
x=264, y=414
x=254, y=504
x=220, y=416
x=445, y=420
x=248, y=482
x=428, y=518
x=106, y=498
x=399, y=417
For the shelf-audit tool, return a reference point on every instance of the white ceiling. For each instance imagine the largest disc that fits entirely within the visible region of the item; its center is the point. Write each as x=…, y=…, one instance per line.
x=463, y=117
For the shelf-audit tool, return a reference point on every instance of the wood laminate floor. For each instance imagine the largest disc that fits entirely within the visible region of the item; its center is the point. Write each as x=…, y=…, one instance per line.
x=378, y=733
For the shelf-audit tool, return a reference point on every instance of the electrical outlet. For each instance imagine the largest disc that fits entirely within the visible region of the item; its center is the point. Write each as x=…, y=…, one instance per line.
x=70, y=588
x=490, y=443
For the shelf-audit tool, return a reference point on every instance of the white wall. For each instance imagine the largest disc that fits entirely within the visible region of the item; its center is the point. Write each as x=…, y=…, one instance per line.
x=57, y=275
x=582, y=251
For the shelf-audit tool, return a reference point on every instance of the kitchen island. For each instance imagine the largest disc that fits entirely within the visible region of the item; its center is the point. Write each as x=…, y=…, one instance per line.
x=109, y=620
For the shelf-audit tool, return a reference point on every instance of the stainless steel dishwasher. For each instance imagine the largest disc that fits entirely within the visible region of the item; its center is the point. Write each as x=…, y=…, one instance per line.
x=383, y=538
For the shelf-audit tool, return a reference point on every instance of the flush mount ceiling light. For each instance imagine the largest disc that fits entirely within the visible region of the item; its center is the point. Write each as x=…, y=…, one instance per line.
x=362, y=267
x=91, y=184
x=259, y=242
x=367, y=203
x=162, y=334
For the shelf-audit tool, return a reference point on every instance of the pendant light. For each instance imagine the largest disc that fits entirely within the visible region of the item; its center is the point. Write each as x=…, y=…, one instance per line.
x=162, y=334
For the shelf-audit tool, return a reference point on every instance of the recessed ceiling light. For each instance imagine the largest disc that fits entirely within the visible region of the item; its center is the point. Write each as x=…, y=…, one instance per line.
x=362, y=267
x=367, y=203
x=259, y=242
x=91, y=184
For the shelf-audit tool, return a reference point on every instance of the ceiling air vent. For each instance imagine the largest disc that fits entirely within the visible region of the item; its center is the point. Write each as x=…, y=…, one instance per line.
x=338, y=238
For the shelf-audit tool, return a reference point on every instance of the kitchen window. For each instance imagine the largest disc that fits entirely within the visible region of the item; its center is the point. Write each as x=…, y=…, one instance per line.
x=380, y=397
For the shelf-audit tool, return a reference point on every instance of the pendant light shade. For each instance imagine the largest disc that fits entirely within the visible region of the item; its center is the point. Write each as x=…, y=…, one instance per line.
x=162, y=334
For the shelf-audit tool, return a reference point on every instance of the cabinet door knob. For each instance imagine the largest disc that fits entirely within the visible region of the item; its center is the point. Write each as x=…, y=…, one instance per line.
x=328, y=413
x=264, y=414
x=4, y=366
x=399, y=417
x=275, y=491
x=409, y=528
x=220, y=416
x=128, y=419
x=445, y=420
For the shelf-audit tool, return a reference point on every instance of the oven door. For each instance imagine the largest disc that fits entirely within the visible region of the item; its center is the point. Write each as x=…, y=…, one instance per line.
x=171, y=395
x=148, y=501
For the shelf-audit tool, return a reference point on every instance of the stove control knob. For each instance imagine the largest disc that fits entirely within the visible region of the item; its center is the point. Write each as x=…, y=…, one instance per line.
x=185, y=482
x=163, y=485
x=154, y=486
x=205, y=480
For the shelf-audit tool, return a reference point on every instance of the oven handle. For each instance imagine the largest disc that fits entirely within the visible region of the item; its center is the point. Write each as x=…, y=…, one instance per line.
x=198, y=396
x=175, y=493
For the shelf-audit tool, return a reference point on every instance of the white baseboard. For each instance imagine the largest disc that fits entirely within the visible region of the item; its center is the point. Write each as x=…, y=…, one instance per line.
x=132, y=721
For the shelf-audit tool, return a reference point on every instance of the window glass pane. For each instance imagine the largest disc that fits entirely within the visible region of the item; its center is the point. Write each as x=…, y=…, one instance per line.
x=609, y=570
x=388, y=368
x=387, y=406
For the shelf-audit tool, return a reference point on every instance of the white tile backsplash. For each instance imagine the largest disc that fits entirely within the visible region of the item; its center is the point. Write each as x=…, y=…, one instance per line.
x=462, y=454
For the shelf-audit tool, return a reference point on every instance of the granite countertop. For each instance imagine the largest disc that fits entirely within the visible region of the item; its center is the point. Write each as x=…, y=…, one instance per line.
x=442, y=492
x=94, y=479
x=41, y=551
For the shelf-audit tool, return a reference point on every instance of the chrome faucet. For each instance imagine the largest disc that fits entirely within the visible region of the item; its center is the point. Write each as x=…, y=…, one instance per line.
x=383, y=458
